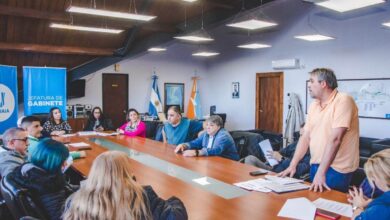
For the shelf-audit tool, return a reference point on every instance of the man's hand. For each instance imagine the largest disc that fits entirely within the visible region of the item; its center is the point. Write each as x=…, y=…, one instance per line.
x=180, y=148
x=189, y=153
x=290, y=171
x=319, y=183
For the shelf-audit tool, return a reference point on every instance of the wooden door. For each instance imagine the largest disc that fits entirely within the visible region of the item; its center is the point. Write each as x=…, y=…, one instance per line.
x=115, y=97
x=269, y=101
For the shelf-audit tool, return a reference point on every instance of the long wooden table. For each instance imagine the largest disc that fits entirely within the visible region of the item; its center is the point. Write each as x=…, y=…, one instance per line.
x=200, y=203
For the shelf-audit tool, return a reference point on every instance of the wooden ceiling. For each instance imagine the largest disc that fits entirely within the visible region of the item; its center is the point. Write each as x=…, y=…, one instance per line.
x=27, y=40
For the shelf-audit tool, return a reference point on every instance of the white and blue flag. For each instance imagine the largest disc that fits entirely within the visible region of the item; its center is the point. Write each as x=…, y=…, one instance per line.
x=155, y=105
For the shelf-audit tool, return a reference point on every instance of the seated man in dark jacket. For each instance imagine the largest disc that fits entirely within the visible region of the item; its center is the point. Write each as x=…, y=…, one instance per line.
x=13, y=153
x=43, y=176
x=284, y=157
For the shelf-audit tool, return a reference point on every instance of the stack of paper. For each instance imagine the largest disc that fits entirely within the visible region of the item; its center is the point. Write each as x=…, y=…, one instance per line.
x=86, y=133
x=299, y=208
x=106, y=134
x=80, y=145
x=255, y=185
x=283, y=180
x=284, y=184
x=333, y=206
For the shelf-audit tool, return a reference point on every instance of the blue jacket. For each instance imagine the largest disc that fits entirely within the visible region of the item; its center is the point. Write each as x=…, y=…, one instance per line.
x=379, y=208
x=223, y=145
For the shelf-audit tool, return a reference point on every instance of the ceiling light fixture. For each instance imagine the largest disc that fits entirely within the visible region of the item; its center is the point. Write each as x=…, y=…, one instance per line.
x=106, y=13
x=157, y=49
x=254, y=46
x=252, y=24
x=386, y=24
x=200, y=36
x=84, y=28
x=348, y=5
x=205, y=54
x=314, y=37
x=189, y=0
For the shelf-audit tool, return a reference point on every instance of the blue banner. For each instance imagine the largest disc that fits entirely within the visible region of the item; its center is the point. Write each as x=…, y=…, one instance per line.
x=8, y=97
x=44, y=88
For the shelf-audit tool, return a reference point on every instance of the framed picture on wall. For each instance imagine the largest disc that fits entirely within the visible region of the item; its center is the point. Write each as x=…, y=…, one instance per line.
x=174, y=95
x=372, y=96
x=235, y=90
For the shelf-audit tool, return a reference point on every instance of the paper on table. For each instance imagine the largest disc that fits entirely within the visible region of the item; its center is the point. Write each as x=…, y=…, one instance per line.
x=106, y=134
x=256, y=185
x=299, y=208
x=282, y=180
x=79, y=144
x=68, y=135
x=266, y=147
x=86, y=133
x=333, y=206
x=202, y=181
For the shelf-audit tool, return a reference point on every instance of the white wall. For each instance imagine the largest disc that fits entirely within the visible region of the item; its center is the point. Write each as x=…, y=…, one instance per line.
x=168, y=66
x=361, y=50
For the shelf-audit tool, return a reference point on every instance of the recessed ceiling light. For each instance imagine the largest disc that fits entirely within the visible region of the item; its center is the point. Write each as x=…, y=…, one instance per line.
x=347, y=5
x=194, y=38
x=189, y=0
x=83, y=28
x=253, y=46
x=205, y=54
x=107, y=13
x=314, y=37
x=386, y=24
x=252, y=24
x=156, y=49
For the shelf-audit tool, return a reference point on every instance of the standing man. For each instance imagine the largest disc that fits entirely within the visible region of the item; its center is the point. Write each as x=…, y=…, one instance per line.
x=332, y=132
x=13, y=153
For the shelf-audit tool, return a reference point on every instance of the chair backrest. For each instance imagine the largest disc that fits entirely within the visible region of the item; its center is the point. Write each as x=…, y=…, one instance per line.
x=19, y=200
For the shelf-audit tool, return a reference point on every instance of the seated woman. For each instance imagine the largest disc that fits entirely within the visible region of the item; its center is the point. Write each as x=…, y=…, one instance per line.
x=55, y=125
x=178, y=129
x=111, y=192
x=377, y=169
x=43, y=176
x=134, y=126
x=215, y=142
x=97, y=121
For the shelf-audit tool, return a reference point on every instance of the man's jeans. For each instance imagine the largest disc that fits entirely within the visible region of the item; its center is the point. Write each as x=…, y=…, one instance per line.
x=334, y=179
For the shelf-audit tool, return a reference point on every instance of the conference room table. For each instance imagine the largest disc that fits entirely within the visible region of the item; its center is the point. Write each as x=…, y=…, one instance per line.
x=155, y=163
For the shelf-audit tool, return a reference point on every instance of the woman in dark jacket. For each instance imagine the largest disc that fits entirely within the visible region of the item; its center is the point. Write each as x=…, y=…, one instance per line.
x=110, y=192
x=97, y=121
x=43, y=176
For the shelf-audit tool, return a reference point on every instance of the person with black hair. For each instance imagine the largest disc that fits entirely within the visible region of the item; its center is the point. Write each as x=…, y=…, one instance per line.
x=134, y=126
x=98, y=122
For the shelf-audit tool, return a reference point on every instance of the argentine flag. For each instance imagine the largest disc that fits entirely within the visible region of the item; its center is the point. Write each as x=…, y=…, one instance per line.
x=155, y=105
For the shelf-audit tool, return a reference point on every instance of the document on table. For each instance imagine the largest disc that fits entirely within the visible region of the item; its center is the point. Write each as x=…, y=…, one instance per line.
x=106, y=134
x=298, y=208
x=283, y=180
x=335, y=207
x=255, y=185
x=68, y=135
x=86, y=133
x=80, y=145
x=266, y=147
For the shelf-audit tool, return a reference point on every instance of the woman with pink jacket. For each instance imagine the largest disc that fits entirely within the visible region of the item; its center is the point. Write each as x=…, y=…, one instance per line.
x=134, y=126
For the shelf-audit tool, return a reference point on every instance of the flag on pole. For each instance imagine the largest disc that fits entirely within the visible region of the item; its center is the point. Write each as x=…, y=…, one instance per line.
x=194, y=109
x=155, y=105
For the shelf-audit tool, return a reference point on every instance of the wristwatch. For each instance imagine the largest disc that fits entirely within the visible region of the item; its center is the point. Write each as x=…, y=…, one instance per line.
x=197, y=153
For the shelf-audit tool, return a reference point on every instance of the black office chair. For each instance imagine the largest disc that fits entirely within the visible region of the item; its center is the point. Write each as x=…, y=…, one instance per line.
x=19, y=200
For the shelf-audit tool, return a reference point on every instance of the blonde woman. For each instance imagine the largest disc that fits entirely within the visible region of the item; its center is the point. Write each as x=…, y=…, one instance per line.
x=377, y=169
x=111, y=192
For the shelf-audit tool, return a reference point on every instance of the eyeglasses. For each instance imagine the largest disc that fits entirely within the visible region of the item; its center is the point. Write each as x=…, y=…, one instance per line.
x=21, y=139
